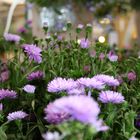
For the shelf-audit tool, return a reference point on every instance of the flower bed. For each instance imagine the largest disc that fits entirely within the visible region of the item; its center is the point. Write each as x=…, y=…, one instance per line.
x=57, y=88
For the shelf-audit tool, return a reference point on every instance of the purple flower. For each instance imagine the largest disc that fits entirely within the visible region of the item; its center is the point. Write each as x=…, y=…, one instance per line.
x=4, y=76
x=60, y=37
x=5, y=93
x=37, y=75
x=137, y=124
x=1, y=106
x=33, y=52
x=84, y=43
x=131, y=76
x=61, y=84
x=92, y=9
x=86, y=68
x=29, y=22
x=29, y=88
x=91, y=83
x=80, y=108
x=12, y=37
x=51, y=136
x=101, y=56
x=106, y=79
x=111, y=97
x=22, y=30
x=17, y=115
x=112, y=57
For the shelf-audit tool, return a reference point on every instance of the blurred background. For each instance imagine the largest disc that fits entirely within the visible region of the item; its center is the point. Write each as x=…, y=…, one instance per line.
x=113, y=21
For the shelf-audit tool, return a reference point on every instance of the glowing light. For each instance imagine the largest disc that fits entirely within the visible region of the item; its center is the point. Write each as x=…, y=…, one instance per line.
x=101, y=39
x=105, y=21
x=78, y=41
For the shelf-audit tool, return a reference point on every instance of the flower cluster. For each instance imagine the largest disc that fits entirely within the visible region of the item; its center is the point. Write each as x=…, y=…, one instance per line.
x=77, y=87
x=76, y=72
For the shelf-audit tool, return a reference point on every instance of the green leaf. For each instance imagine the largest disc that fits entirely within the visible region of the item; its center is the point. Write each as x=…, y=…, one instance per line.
x=2, y=134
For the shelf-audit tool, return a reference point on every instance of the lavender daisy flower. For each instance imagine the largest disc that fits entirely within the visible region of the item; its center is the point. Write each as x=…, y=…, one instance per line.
x=12, y=37
x=91, y=83
x=33, y=52
x=112, y=57
x=37, y=75
x=17, y=115
x=5, y=93
x=51, y=136
x=29, y=88
x=111, y=97
x=84, y=43
x=61, y=84
x=73, y=107
x=106, y=79
x=131, y=76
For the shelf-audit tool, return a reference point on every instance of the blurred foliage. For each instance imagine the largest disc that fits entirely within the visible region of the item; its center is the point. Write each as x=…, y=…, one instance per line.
x=102, y=7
